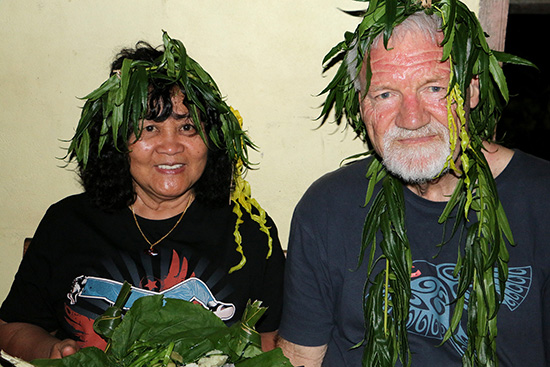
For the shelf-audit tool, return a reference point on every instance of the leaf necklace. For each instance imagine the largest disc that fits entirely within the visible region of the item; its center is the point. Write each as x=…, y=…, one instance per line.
x=151, y=251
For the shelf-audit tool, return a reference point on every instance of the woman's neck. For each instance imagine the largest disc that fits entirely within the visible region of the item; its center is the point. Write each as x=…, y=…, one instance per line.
x=150, y=208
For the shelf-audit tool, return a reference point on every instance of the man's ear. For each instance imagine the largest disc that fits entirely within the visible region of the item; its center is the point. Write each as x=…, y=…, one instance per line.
x=474, y=92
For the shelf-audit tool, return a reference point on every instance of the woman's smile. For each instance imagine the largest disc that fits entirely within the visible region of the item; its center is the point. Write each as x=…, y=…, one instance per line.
x=170, y=168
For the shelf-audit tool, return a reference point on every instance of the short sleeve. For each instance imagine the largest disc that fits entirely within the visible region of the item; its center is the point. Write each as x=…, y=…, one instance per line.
x=29, y=299
x=270, y=291
x=307, y=307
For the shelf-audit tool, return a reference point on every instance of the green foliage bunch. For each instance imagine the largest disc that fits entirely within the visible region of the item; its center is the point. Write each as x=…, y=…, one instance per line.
x=166, y=332
x=120, y=103
x=478, y=215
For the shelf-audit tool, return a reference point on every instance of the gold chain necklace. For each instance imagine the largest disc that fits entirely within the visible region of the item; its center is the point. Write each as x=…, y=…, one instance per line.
x=151, y=251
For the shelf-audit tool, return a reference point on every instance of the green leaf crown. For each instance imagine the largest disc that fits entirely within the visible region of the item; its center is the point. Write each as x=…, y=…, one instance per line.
x=120, y=103
x=464, y=44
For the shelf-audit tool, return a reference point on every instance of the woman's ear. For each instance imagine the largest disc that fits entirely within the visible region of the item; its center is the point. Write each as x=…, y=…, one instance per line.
x=474, y=92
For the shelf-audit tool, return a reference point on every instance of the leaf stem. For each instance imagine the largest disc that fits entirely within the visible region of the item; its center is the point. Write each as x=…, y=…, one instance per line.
x=386, y=287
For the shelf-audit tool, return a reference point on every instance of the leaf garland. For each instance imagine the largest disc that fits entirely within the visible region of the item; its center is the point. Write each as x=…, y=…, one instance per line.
x=482, y=260
x=121, y=102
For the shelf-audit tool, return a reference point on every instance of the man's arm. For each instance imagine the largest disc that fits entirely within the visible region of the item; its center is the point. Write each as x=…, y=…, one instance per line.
x=29, y=342
x=269, y=340
x=300, y=355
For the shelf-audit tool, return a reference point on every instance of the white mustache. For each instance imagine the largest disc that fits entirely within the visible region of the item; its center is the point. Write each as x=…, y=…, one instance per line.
x=395, y=132
x=417, y=163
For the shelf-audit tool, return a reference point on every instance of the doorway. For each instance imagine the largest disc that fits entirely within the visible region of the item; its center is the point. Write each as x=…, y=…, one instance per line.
x=525, y=122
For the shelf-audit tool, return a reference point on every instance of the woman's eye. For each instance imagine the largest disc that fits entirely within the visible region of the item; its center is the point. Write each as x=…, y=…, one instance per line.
x=189, y=129
x=149, y=128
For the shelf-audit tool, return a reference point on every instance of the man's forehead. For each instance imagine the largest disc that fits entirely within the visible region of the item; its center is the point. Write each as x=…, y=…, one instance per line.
x=416, y=62
x=393, y=60
x=409, y=51
x=405, y=47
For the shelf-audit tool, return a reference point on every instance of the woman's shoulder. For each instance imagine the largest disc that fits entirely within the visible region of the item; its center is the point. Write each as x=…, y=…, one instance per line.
x=74, y=207
x=73, y=202
x=245, y=210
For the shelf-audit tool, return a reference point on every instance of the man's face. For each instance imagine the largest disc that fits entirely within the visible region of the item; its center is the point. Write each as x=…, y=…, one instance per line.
x=405, y=109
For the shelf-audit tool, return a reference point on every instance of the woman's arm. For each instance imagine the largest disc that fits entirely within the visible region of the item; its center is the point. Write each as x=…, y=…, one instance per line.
x=300, y=355
x=29, y=342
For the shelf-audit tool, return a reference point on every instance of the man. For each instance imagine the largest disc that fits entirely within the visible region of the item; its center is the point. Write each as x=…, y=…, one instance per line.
x=436, y=216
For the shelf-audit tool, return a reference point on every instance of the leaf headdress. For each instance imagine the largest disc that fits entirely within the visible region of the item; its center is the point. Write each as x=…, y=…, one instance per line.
x=121, y=103
x=482, y=259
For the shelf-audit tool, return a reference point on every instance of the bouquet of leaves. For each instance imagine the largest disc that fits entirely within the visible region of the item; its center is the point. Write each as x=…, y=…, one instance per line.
x=159, y=331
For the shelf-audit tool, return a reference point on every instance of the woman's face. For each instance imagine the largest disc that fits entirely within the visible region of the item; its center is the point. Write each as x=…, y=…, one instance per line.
x=169, y=157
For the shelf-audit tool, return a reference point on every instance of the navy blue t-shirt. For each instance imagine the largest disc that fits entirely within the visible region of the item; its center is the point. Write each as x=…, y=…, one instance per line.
x=324, y=287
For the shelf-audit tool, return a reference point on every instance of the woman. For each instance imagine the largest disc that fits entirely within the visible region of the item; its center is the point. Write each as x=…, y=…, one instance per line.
x=160, y=156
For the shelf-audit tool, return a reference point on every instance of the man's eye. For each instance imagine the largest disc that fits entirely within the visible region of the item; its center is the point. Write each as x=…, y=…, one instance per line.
x=436, y=89
x=384, y=95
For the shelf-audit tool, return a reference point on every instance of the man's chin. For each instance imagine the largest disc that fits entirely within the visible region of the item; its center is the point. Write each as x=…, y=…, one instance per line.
x=416, y=174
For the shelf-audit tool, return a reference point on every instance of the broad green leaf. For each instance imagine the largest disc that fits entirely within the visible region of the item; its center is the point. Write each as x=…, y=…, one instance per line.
x=512, y=59
x=124, y=81
x=498, y=76
x=89, y=357
x=109, y=84
x=106, y=324
x=391, y=15
x=273, y=358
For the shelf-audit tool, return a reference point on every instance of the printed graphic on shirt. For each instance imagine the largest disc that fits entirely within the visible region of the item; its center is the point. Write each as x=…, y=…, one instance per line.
x=192, y=290
x=91, y=295
x=433, y=291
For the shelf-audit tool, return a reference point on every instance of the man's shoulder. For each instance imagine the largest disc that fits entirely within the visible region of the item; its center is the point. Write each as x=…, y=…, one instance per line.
x=345, y=178
x=526, y=167
x=532, y=162
x=523, y=185
x=342, y=186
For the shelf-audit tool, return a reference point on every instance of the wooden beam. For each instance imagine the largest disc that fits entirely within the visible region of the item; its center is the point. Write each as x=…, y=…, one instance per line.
x=493, y=15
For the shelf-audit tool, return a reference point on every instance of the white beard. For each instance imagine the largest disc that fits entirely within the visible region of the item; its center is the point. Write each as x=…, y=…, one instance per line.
x=420, y=163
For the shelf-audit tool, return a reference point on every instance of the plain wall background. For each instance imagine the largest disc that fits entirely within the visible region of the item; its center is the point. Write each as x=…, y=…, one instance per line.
x=264, y=55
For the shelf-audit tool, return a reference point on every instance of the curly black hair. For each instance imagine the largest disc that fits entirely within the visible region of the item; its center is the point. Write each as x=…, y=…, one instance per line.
x=106, y=177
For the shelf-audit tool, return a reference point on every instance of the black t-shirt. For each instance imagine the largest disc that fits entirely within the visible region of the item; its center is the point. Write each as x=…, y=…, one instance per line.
x=324, y=287
x=80, y=256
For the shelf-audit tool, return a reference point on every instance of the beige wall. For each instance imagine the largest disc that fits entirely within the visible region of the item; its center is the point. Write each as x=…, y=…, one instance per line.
x=264, y=55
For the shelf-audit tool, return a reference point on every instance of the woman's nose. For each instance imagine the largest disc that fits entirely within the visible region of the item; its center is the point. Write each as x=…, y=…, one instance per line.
x=171, y=143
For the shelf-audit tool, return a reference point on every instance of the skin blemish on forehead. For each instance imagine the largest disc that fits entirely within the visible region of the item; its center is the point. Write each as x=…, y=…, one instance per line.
x=408, y=56
x=405, y=62
x=400, y=62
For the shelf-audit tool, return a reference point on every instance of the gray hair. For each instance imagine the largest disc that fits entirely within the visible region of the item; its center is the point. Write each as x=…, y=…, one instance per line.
x=429, y=25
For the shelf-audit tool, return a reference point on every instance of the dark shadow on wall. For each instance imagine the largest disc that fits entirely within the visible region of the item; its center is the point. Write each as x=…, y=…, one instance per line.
x=525, y=122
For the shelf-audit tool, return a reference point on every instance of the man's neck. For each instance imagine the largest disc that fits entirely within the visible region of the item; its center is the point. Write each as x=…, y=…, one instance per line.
x=442, y=188
x=439, y=189
x=497, y=156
